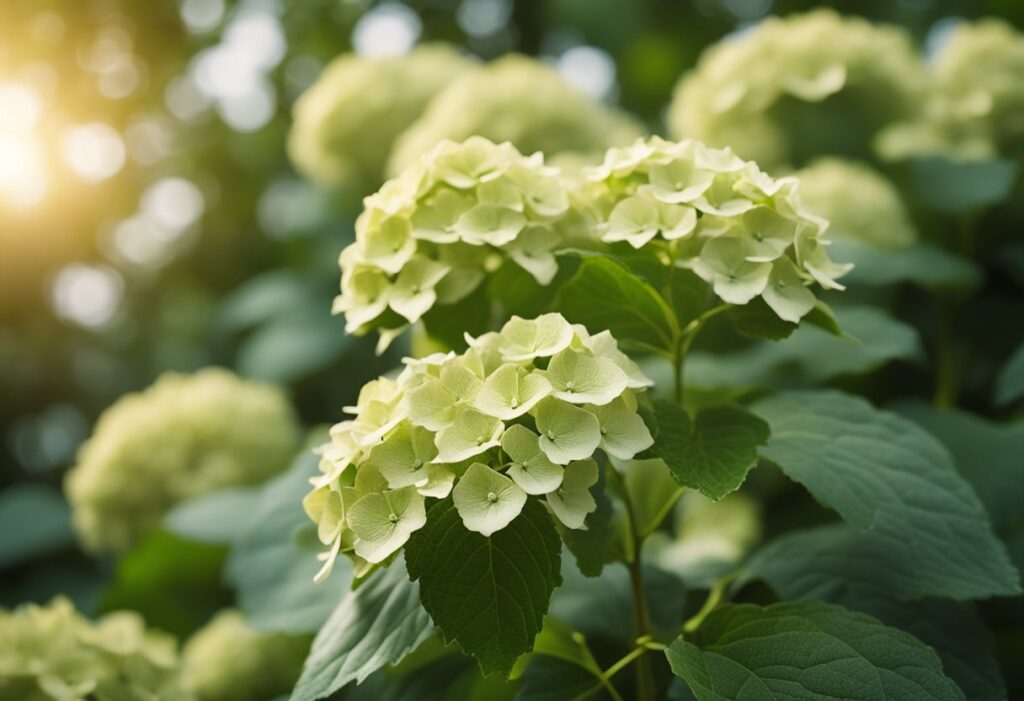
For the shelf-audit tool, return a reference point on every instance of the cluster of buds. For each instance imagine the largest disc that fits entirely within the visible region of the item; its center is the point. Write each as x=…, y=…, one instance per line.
x=521, y=413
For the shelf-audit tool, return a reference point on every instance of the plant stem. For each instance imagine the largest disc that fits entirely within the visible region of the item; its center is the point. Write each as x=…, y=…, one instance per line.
x=683, y=343
x=947, y=382
x=645, y=689
x=620, y=664
x=715, y=597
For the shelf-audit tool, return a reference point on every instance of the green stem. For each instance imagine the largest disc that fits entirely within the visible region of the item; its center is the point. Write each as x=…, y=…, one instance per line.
x=682, y=347
x=715, y=597
x=645, y=688
x=619, y=665
x=947, y=381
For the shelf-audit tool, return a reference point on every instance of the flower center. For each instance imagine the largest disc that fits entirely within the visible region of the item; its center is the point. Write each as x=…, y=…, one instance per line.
x=393, y=518
x=492, y=497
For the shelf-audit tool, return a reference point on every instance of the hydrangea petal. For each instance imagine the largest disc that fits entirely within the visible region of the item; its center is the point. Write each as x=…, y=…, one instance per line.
x=530, y=468
x=635, y=220
x=573, y=501
x=488, y=224
x=487, y=500
x=787, y=293
x=472, y=433
x=383, y=523
x=527, y=339
x=623, y=432
x=581, y=378
x=567, y=432
x=511, y=391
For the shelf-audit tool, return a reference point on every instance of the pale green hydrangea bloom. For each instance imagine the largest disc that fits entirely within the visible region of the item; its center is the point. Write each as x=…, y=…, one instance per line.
x=745, y=233
x=977, y=105
x=226, y=660
x=520, y=100
x=183, y=436
x=520, y=414
x=431, y=235
x=798, y=87
x=51, y=653
x=346, y=123
x=860, y=203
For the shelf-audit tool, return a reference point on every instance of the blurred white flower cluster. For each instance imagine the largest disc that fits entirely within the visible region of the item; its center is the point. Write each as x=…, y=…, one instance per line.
x=764, y=92
x=522, y=412
x=226, y=660
x=51, y=653
x=183, y=436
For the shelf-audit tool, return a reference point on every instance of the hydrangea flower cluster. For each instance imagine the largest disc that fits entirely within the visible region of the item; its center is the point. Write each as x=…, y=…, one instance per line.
x=860, y=203
x=183, y=436
x=226, y=660
x=520, y=100
x=744, y=232
x=977, y=97
x=761, y=92
x=522, y=412
x=430, y=235
x=51, y=653
x=345, y=124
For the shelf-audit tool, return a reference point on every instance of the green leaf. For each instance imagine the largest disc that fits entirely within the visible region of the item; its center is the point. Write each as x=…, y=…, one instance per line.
x=271, y=569
x=611, y=594
x=1010, y=382
x=487, y=594
x=214, y=517
x=689, y=295
x=805, y=650
x=293, y=348
x=449, y=323
x=886, y=476
x=712, y=454
x=757, y=320
x=174, y=584
x=554, y=679
x=922, y=264
x=34, y=521
x=378, y=624
x=988, y=455
x=604, y=294
x=811, y=356
x=948, y=185
x=838, y=565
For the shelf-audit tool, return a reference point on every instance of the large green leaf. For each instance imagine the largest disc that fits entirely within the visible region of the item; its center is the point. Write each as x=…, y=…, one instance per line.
x=989, y=455
x=922, y=264
x=488, y=594
x=806, y=650
x=34, y=521
x=373, y=626
x=604, y=294
x=886, y=476
x=214, y=517
x=811, y=355
x=293, y=348
x=1010, y=382
x=272, y=568
x=837, y=564
x=949, y=185
x=712, y=454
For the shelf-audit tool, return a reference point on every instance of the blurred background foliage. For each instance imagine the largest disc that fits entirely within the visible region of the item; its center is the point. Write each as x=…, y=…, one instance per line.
x=150, y=220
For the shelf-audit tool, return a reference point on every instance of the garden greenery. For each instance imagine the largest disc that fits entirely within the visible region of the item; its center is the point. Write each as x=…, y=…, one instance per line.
x=626, y=372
